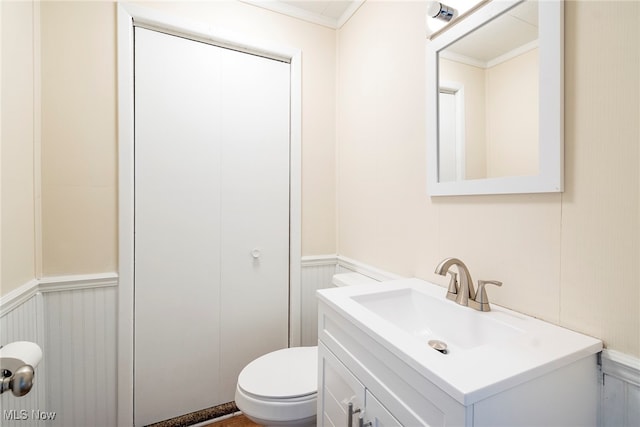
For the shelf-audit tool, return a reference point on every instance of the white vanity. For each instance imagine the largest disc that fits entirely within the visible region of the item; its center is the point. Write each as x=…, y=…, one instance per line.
x=500, y=367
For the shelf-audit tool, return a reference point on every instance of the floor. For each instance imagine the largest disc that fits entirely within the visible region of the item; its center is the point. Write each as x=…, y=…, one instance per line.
x=237, y=421
x=201, y=417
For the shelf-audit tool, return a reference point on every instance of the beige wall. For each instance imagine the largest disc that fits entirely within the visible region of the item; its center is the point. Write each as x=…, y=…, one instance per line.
x=79, y=128
x=79, y=147
x=17, y=207
x=570, y=258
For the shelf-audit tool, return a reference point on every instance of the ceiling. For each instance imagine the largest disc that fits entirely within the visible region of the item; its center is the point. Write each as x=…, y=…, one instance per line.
x=516, y=29
x=329, y=13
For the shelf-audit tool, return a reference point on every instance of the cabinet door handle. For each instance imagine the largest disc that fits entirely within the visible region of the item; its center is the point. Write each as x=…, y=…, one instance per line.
x=350, y=414
x=362, y=424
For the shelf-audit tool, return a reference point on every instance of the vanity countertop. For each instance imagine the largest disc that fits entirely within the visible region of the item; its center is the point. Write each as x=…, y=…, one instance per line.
x=488, y=352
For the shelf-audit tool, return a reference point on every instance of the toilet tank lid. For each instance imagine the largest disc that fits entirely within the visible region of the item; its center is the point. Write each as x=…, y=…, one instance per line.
x=348, y=279
x=282, y=374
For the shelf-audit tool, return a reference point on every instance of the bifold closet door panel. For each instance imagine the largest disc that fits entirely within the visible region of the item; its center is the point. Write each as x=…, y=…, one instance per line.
x=177, y=226
x=212, y=220
x=255, y=211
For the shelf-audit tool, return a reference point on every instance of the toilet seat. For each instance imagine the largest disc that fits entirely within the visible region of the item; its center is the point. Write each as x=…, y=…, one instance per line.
x=283, y=374
x=277, y=411
x=280, y=387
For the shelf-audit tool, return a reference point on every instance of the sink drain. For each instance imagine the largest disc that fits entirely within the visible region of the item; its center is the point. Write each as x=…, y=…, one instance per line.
x=438, y=346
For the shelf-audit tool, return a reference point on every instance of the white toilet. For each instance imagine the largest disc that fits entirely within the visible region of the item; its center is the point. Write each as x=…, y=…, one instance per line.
x=281, y=387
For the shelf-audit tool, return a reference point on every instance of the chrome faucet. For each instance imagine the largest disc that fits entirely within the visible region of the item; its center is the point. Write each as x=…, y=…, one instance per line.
x=463, y=292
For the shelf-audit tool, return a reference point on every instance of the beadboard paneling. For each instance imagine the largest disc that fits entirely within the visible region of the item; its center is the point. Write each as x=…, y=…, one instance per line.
x=81, y=356
x=23, y=323
x=316, y=273
x=620, y=390
x=620, y=403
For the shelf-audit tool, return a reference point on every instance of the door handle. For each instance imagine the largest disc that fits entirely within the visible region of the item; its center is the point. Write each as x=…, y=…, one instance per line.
x=351, y=412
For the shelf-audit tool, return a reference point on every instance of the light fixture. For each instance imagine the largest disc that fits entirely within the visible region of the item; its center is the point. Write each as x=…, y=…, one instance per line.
x=440, y=11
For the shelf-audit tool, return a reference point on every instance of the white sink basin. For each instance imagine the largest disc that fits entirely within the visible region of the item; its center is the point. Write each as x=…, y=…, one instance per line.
x=429, y=318
x=487, y=352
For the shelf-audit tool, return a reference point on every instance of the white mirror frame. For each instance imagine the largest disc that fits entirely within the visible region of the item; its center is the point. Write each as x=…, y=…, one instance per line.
x=551, y=105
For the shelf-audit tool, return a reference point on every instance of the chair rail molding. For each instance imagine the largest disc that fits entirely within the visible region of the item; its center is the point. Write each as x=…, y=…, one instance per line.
x=22, y=294
x=18, y=296
x=622, y=366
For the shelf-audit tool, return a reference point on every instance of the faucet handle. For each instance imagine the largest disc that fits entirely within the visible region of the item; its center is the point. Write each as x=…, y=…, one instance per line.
x=454, y=287
x=481, y=301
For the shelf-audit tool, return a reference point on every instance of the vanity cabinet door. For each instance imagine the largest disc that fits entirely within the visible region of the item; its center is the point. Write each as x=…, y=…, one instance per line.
x=338, y=389
x=377, y=415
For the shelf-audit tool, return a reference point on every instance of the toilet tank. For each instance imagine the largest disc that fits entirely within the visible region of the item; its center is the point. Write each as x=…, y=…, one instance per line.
x=348, y=279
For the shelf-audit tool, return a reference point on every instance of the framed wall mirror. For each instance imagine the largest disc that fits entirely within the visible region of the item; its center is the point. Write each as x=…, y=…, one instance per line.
x=495, y=101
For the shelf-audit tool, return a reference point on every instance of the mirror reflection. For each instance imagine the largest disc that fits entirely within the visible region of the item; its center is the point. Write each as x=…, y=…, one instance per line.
x=488, y=99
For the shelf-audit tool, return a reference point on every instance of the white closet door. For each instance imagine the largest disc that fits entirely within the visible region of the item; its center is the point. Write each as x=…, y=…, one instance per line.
x=208, y=190
x=177, y=231
x=255, y=211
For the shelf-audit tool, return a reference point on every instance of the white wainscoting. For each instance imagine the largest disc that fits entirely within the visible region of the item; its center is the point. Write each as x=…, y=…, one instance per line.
x=23, y=322
x=620, y=389
x=81, y=347
x=74, y=320
x=316, y=273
